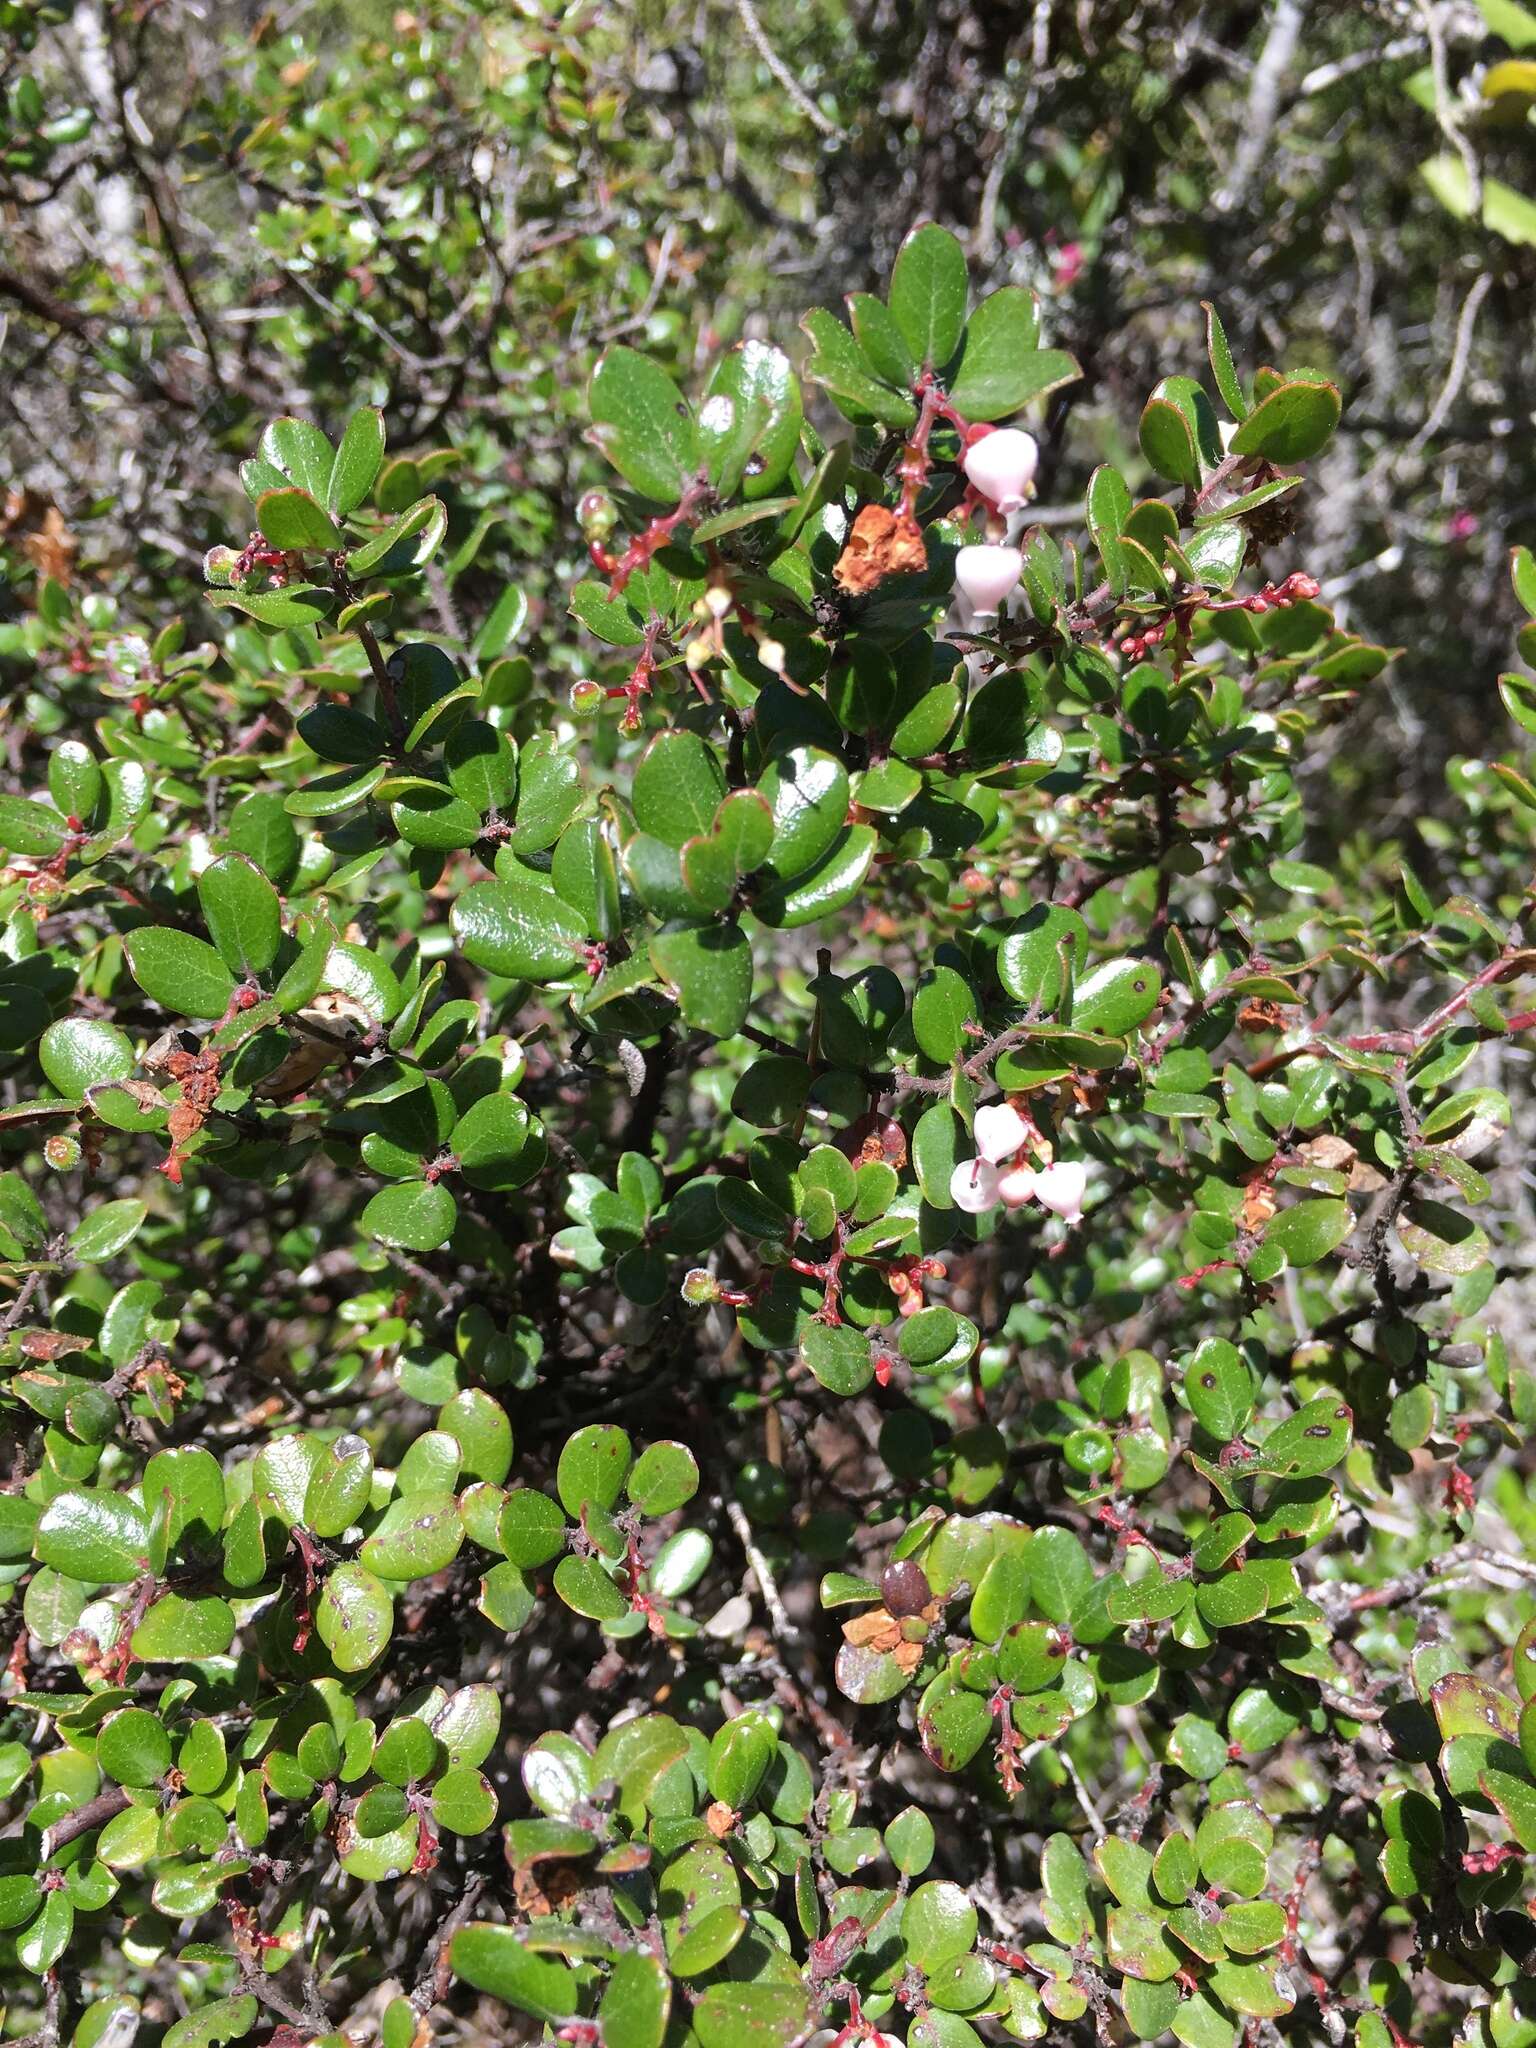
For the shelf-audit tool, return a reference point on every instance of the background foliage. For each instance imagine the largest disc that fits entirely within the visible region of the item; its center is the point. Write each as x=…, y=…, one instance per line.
x=543, y=1488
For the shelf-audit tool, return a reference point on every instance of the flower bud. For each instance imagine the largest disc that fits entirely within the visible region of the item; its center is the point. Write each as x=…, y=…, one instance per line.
x=1061, y=1188
x=999, y=1131
x=771, y=654
x=986, y=575
x=718, y=600
x=596, y=515
x=586, y=698
x=700, y=1288
x=1001, y=465
x=973, y=1186
x=699, y=653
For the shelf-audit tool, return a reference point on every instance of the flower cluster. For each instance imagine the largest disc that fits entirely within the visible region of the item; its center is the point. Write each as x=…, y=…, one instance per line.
x=1001, y=1172
x=1000, y=468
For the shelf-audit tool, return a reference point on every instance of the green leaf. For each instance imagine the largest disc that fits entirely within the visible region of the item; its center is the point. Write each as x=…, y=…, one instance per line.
x=357, y=461
x=644, y=425
x=927, y=294
x=587, y=1589
x=1116, y=996
x=104, y=1232
x=839, y=1356
x=417, y=1537
x=938, y=1923
x=498, y=1960
x=80, y=1053
x=1060, y=1573
x=880, y=340
x=739, y=1755
x=1029, y=960
x=339, y=1487
x=593, y=1467
x=1168, y=442
x=1312, y=1441
x=300, y=452
x=1218, y=1386
x=292, y=520
x=74, y=779
x=354, y=1618
x=39, y=1947
x=518, y=930
x=1309, y=1231
x=481, y=766
x=1505, y=211
x=677, y=788
x=806, y=790
x=664, y=1478
x=180, y=1629
x=824, y=889
x=133, y=1747
x=1109, y=507
x=181, y=973
x=531, y=1529
x=497, y=1143
x=942, y=1007
x=1295, y=422
x=1223, y=369
x=33, y=829
x=477, y=1423
x=760, y=2015
x=464, y=1802
x=415, y=1215
x=637, y=2003
x=241, y=910
x=708, y=967
x=388, y=552
x=1001, y=366
x=225, y=2019
x=749, y=422
x=95, y=1535
x=1522, y=574
x=428, y=814
x=839, y=366
x=296, y=604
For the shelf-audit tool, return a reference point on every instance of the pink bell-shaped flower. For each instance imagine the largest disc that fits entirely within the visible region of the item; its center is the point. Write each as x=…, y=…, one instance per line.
x=1017, y=1187
x=1061, y=1188
x=999, y=1131
x=986, y=575
x=973, y=1186
x=1002, y=466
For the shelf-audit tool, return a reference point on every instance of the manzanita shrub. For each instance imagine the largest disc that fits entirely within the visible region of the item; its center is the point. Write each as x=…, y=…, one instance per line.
x=793, y=1344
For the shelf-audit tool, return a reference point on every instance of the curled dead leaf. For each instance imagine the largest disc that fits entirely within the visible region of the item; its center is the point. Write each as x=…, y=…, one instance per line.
x=882, y=543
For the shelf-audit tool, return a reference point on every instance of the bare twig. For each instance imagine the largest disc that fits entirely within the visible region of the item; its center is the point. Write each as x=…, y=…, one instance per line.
x=432, y=1980
x=784, y=1629
x=781, y=71
x=1445, y=107
x=1263, y=100
x=1456, y=370
x=94, y=1814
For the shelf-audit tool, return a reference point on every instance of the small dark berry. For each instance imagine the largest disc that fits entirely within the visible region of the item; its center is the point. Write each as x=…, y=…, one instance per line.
x=904, y=1589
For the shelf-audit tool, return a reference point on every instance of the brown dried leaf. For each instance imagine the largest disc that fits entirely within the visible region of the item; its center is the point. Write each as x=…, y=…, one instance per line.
x=51, y=1343
x=873, y=1630
x=1337, y=1154
x=882, y=543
